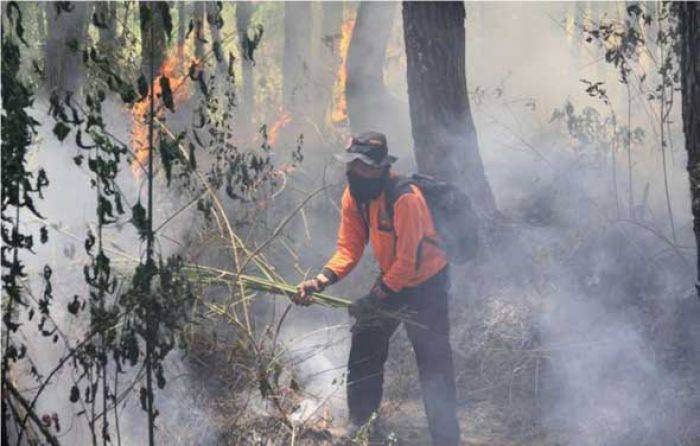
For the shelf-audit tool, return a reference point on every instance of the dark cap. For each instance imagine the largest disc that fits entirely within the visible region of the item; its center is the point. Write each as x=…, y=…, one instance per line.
x=370, y=148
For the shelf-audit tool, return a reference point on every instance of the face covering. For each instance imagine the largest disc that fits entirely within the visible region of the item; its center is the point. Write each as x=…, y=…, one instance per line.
x=363, y=189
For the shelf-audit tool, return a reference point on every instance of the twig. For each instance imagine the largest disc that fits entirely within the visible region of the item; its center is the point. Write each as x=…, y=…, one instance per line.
x=179, y=211
x=30, y=412
x=658, y=234
x=281, y=226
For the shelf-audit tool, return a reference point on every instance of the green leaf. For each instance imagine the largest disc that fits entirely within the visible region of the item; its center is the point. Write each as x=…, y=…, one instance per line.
x=217, y=51
x=202, y=84
x=193, y=159
x=74, y=394
x=167, y=93
x=143, y=397
x=143, y=86
x=139, y=219
x=99, y=20
x=128, y=94
x=168, y=154
x=167, y=19
x=18, y=28
x=74, y=307
x=79, y=141
x=61, y=130
x=231, y=61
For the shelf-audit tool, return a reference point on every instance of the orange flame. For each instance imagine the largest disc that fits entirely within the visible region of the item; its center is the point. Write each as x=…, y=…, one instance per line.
x=171, y=69
x=284, y=119
x=340, y=110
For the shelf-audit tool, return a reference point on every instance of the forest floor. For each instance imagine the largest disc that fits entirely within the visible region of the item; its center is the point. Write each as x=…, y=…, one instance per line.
x=480, y=425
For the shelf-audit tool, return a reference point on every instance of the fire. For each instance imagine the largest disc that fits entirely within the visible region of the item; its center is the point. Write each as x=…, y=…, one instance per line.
x=340, y=110
x=284, y=119
x=172, y=69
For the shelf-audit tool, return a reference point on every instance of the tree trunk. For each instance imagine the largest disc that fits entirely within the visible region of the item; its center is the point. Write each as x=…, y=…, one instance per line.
x=198, y=34
x=213, y=16
x=297, y=43
x=443, y=130
x=244, y=11
x=326, y=59
x=689, y=30
x=182, y=23
x=41, y=21
x=153, y=36
x=66, y=38
x=109, y=40
x=365, y=92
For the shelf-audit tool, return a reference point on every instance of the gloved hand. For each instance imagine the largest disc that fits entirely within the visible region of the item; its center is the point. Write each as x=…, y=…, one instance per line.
x=364, y=306
x=371, y=302
x=306, y=288
x=380, y=290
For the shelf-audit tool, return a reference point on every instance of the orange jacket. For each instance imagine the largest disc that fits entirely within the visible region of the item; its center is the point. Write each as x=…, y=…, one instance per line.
x=409, y=263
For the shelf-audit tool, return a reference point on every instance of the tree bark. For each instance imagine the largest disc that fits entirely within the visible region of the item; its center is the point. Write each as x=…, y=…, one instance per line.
x=365, y=91
x=326, y=59
x=41, y=21
x=109, y=40
x=212, y=11
x=295, y=67
x=152, y=43
x=244, y=11
x=689, y=49
x=198, y=34
x=182, y=23
x=63, y=52
x=443, y=129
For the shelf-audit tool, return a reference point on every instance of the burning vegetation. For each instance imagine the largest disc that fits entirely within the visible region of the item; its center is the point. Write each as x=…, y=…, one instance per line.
x=173, y=69
x=152, y=306
x=339, y=112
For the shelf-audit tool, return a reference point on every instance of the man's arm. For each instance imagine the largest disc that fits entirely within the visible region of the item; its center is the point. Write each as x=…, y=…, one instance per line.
x=352, y=238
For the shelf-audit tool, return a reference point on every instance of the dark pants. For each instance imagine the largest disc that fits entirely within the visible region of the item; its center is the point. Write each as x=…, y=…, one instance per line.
x=423, y=310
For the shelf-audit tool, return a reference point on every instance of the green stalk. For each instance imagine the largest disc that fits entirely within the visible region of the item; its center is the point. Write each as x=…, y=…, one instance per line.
x=271, y=286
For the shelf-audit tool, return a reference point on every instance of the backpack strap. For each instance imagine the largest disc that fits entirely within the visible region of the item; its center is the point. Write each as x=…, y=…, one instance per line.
x=396, y=187
x=364, y=213
x=399, y=186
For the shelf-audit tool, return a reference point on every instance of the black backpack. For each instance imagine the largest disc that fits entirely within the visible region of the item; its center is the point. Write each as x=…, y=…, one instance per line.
x=451, y=209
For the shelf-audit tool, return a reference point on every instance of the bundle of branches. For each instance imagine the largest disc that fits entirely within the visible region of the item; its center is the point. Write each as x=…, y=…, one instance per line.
x=269, y=285
x=284, y=289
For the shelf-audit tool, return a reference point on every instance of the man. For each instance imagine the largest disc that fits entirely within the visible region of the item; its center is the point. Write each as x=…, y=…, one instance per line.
x=412, y=288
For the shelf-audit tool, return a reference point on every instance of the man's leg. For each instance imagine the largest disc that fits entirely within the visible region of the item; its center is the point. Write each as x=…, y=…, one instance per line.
x=368, y=352
x=429, y=336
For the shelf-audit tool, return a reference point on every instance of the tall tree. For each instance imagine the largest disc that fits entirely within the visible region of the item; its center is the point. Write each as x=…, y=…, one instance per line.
x=106, y=20
x=41, y=21
x=297, y=43
x=689, y=49
x=154, y=23
x=198, y=35
x=365, y=91
x=244, y=12
x=182, y=22
x=68, y=24
x=216, y=22
x=443, y=129
x=326, y=58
